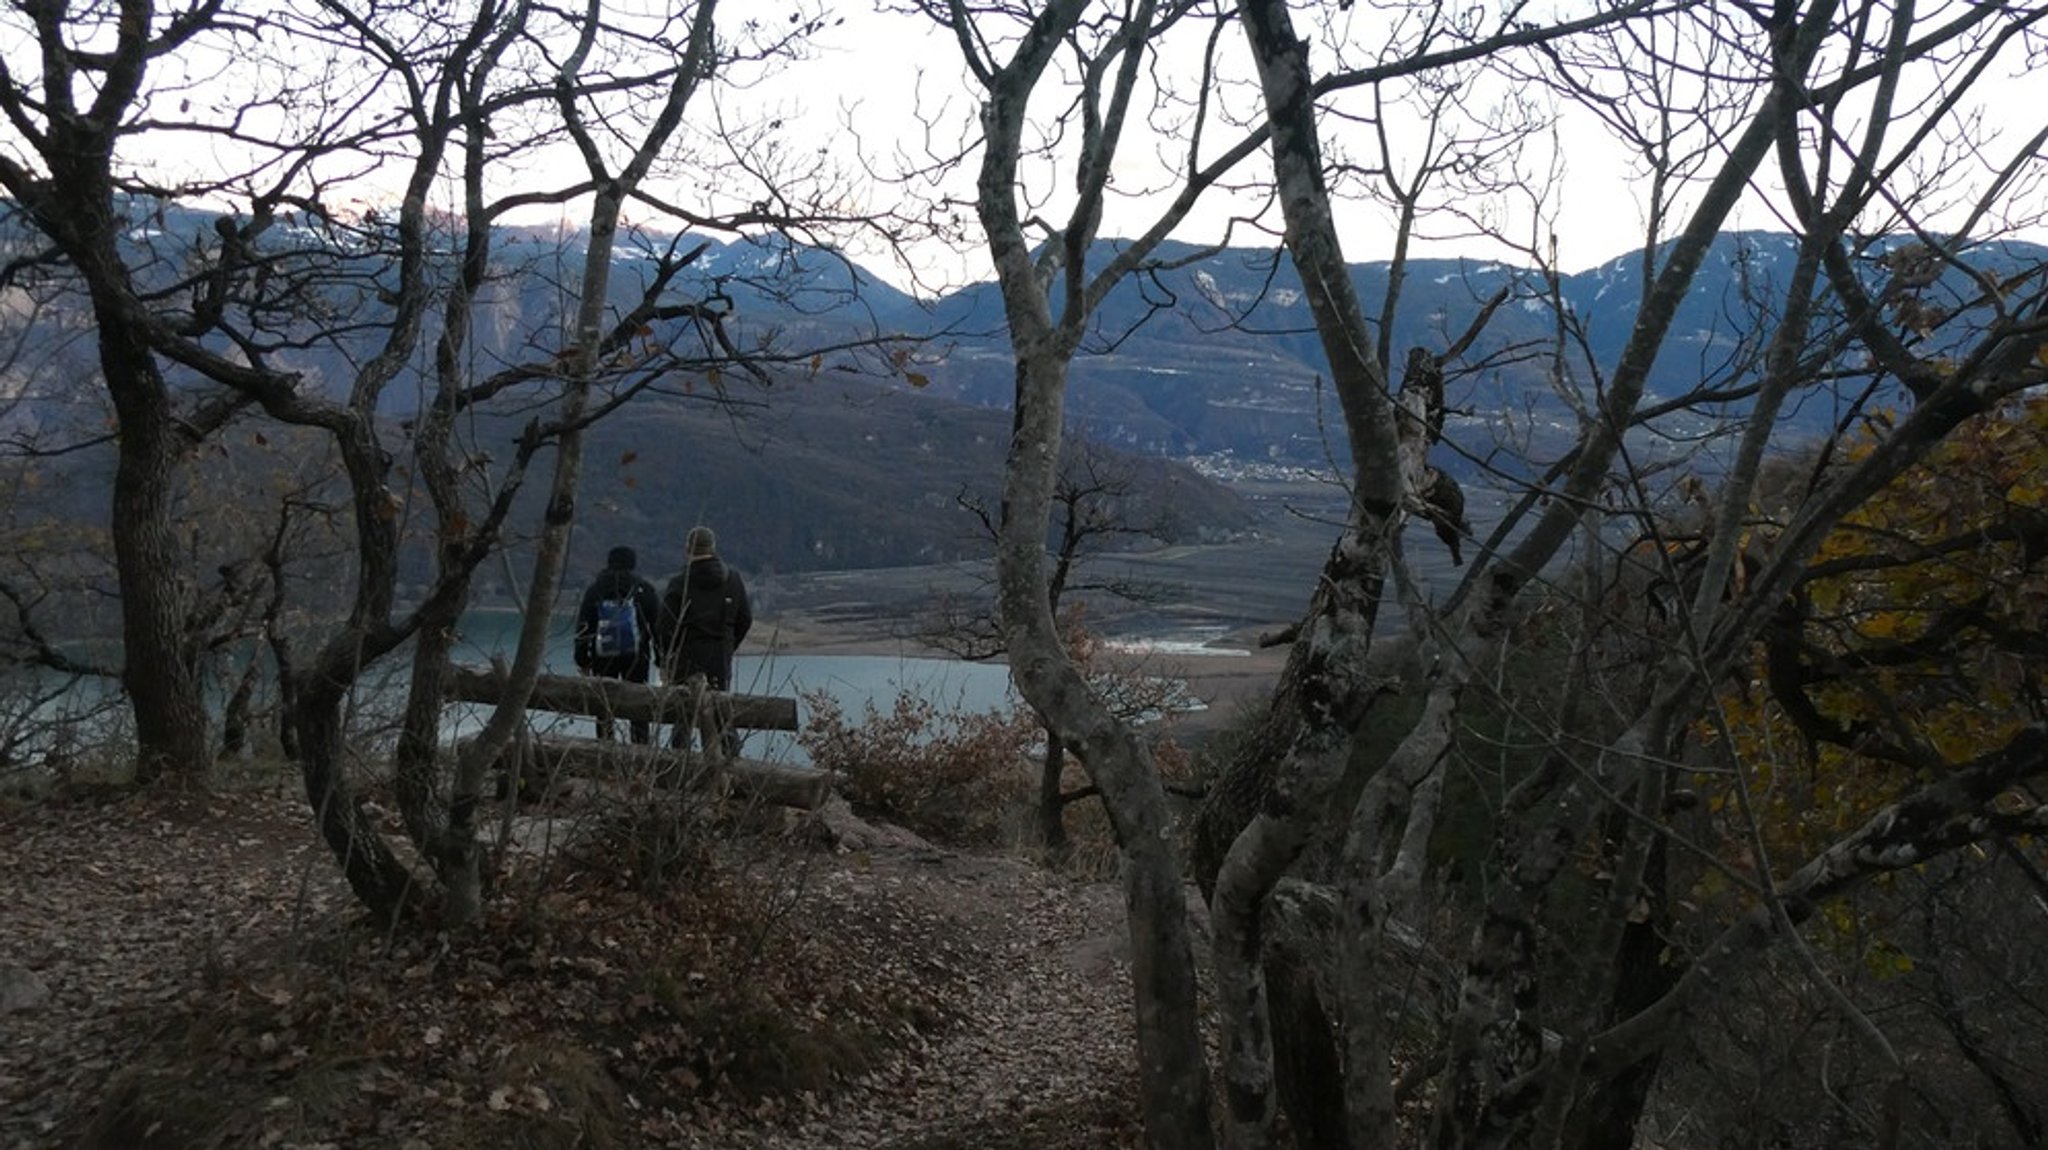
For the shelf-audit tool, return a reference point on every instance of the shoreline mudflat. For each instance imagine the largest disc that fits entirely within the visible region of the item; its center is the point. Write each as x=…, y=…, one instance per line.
x=1240, y=674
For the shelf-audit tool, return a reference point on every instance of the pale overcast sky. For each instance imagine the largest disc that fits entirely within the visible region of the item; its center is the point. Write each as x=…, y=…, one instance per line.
x=1592, y=208
x=886, y=67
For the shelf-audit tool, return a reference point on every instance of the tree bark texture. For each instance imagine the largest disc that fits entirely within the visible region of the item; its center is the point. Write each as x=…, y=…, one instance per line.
x=1327, y=685
x=76, y=208
x=1173, y=1073
x=161, y=666
x=1052, y=803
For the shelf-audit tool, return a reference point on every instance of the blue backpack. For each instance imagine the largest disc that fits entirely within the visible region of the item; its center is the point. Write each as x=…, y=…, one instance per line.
x=617, y=635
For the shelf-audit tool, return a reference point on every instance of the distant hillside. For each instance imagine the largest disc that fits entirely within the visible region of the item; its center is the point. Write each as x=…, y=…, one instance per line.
x=1219, y=354
x=1212, y=356
x=832, y=473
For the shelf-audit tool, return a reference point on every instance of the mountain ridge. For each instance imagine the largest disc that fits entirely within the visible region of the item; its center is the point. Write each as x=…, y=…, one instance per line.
x=1209, y=358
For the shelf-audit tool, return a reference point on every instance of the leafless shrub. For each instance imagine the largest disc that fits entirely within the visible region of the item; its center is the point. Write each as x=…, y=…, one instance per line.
x=959, y=779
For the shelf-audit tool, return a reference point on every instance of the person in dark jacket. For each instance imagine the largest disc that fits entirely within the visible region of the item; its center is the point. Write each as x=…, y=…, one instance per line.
x=618, y=583
x=705, y=616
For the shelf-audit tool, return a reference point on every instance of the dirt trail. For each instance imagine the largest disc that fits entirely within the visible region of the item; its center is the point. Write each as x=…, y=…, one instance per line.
x=141, y=910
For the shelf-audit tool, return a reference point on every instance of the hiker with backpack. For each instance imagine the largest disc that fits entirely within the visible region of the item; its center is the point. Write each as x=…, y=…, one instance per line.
x=705, y=616
x=618, y=630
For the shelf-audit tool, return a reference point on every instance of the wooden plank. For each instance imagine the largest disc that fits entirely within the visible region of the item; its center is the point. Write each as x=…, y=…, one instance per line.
x=589, y=695
x=778, y=784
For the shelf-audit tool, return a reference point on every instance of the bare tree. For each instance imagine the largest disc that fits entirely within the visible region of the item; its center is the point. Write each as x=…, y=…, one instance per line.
x=1050, y=287
x=71, y=105
x=1527, y=1055
x=1720, y=95
x=589, y=74
x=316, y=315
x=614, y=183
x=1093, y=512
x=1009, y=54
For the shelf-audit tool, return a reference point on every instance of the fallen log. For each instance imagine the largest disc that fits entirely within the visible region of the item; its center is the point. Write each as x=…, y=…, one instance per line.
x=589, y=695
x=777, y=784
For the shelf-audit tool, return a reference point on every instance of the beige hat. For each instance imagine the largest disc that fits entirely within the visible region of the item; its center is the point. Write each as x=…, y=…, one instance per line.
x=702, y=542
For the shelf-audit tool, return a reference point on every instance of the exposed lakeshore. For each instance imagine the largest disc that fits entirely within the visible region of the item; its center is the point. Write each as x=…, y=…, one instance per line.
x=1232, y=672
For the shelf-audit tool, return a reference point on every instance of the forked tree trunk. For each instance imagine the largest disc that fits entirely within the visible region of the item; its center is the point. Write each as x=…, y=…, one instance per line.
x=461, y=856
x=1052, y=806
x=1327, y=685
x=160, y=668
x=1173, y=1075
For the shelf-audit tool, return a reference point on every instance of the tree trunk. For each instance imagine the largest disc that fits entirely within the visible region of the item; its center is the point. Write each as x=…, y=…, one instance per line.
x=417, y=755
x=1173, y=1074
x=287, y=695
x=1327, y=685
x=460, y=859
x=234, y=716
x=77, y=208
x=1606, y=1118
x=161, y=666
x=382, y=883
x=695, y=63
x=1052, y=808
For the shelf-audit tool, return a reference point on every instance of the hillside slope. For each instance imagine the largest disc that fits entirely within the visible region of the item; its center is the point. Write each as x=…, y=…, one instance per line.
x=835, y=472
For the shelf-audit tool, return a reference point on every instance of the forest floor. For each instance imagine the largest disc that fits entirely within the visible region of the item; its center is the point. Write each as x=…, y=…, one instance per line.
x=187, y=971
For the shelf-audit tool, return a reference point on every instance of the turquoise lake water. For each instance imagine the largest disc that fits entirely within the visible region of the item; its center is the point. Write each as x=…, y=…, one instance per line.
x=853, y=681
x=79, y=715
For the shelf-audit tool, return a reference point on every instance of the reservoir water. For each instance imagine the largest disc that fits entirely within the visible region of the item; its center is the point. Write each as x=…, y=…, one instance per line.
x=81, y=713
x=852, y=681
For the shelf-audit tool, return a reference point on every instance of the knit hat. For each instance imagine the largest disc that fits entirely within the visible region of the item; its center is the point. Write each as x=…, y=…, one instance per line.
x=702, y=543
x=621, y=558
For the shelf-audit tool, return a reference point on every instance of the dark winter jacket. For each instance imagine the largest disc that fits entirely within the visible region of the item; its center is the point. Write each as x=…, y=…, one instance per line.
x=705, y=615
x=615, y=583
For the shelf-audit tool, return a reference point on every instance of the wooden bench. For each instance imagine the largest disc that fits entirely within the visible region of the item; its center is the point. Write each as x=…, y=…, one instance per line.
x=708, y=712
